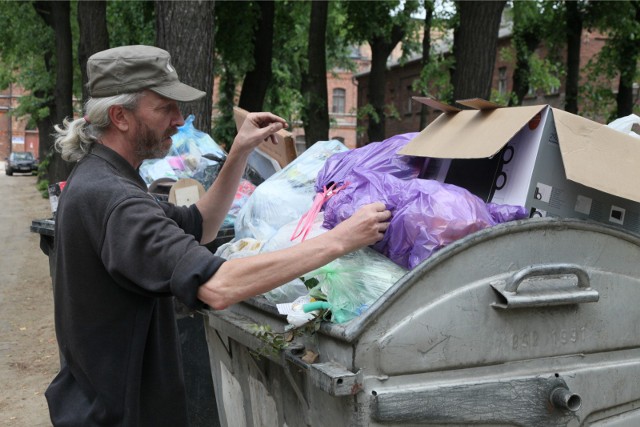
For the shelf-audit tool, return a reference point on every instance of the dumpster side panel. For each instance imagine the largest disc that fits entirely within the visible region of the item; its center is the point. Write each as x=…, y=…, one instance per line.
x=441, y=352
x=444, y=318
x=253, y=390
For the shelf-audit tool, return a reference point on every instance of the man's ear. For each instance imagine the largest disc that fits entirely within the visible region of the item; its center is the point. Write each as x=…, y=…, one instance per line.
x=120, y=117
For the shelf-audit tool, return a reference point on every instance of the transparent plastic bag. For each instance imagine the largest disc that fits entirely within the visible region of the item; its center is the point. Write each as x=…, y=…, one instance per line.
x=282, y=240
x=239, y=248
x=353, y=282
x=286, y=195
x=190, y=156
x=288, y=292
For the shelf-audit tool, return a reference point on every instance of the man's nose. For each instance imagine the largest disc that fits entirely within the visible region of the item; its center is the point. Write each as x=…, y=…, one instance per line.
x=178, y=119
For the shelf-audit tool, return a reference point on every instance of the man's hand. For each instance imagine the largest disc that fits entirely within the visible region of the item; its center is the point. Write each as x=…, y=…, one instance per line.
x=258, y=127
x=365, y=227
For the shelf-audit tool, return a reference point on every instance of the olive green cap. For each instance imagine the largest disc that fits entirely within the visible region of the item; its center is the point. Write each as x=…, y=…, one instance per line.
x=129, y=69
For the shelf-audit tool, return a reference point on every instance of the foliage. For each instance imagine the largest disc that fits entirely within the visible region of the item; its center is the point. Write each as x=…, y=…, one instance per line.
x=435, y=80
x=277, y=342
x=131, y=22
x=544, y=73
x=618, y=21
x=21, y=56
x=289, y=59
x=42, y=185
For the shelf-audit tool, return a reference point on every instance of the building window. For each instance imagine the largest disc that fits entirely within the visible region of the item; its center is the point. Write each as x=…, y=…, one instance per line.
x=502, y=80
x=339, y=97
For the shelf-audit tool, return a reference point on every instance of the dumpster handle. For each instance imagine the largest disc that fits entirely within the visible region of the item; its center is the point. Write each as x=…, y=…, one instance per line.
x=547, y=270
x=509, y=297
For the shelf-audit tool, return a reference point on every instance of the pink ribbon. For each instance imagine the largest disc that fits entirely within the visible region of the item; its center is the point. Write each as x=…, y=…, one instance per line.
x=306, y=221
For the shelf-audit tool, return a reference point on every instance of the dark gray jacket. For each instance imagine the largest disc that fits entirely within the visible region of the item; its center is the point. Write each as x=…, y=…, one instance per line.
x=120, y=256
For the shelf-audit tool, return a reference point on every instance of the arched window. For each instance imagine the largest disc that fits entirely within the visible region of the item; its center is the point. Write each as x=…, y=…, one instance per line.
x=339, y=96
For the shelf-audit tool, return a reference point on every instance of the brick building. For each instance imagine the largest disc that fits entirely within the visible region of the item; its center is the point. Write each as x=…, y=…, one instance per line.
x=14, y=135
x=342, y=94
x=400, y=80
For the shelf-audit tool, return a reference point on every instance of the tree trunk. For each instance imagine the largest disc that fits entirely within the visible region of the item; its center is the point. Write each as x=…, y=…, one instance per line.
x=314, y=84
x=94, y=37
x=522, y=72
x=57, y=15
x=426, y=54
x=381, y=48
x=256, y=81
x=628, y=70
x=185, y=29
x=474, y=48
x=574, y=34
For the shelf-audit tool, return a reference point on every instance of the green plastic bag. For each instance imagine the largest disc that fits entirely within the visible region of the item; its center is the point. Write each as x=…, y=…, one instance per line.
x=354, y=281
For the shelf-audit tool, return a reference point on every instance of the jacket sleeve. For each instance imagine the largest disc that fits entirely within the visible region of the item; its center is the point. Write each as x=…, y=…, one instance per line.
x=148, y=252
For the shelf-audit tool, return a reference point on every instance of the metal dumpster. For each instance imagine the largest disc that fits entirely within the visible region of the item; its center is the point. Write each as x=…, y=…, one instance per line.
x=529, y=323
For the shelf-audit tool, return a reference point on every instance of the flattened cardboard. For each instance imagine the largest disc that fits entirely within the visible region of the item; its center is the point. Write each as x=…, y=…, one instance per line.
x=552, y=162
x=479, y=104
x=185, y=192
x=436, y=105
x=284, y=152
x=593, y=154
x=470, y=134
x=598, y=156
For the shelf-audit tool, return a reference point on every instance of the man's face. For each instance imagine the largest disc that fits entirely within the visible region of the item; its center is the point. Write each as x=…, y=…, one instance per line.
x=149, y=144
x=156, y=119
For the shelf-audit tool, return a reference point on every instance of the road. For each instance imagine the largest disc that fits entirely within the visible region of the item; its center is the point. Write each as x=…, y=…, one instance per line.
x=28, y=350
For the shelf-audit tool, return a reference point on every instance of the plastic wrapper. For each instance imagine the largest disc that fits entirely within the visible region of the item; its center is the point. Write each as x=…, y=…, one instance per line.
x=239, y=248
x=426, y=215
x=351, y=289
x=377, y=156
x=286, y=195
x=282, y=240
x=193, y=154
x=625, y=124
x=287, y=292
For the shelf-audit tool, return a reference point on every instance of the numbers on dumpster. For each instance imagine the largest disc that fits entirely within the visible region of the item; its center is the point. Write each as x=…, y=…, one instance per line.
x=524, y=340
x=561, y=337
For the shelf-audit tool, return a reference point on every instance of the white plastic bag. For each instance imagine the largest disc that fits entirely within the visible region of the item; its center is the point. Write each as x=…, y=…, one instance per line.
x=286, y=195
x=624, y=124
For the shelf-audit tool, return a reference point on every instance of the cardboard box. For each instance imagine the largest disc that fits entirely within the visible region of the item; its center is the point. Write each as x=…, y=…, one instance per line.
x=284, y=152
x=552, y=162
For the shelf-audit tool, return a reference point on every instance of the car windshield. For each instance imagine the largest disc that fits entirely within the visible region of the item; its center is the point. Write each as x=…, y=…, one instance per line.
x=23, y=156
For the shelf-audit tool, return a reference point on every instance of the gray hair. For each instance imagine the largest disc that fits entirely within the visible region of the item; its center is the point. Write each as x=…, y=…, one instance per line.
x=75, y=137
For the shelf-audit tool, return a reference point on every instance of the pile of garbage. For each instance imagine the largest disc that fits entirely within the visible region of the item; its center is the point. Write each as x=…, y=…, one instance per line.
x=195, y=155
x=426, y=216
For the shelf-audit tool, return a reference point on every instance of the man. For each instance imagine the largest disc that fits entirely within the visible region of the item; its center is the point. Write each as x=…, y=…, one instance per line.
x=121, y=255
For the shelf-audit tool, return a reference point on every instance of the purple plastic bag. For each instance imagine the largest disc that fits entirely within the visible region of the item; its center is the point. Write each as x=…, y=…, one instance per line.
x=377, y=156
x=426, y=214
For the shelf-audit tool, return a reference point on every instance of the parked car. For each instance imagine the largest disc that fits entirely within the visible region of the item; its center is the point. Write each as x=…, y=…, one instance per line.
x=23, y=162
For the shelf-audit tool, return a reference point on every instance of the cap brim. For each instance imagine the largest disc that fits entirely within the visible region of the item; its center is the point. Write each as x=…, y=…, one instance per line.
x=179, y=92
